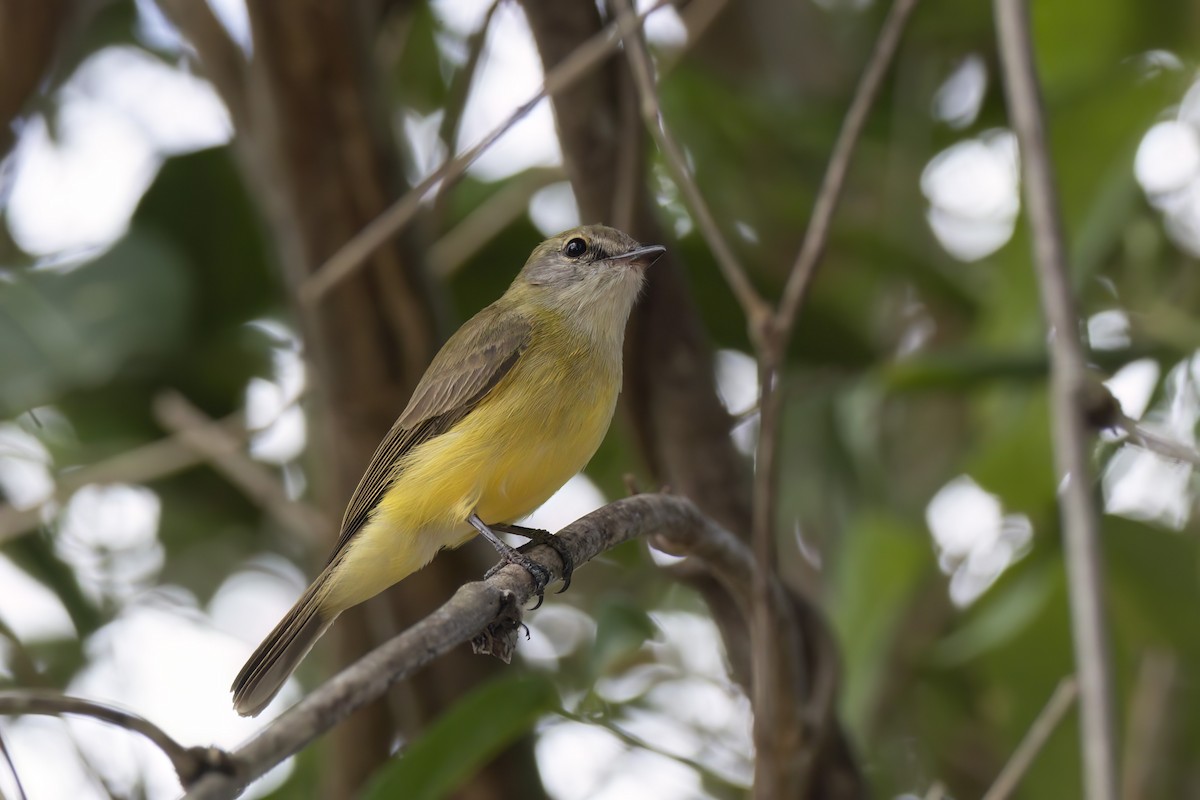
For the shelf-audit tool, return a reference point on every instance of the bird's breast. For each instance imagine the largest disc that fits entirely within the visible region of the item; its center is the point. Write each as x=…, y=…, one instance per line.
x=553, y=417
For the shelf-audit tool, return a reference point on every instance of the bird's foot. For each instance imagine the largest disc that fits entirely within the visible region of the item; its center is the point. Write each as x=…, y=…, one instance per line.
x=538, y=536
x=540, y=575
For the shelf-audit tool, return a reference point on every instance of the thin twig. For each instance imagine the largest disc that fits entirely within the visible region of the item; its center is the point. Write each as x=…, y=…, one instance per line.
x=457, y=246
x=488, y=614
x=218, y=55
x=223, y=451
x=149, y=462
x=12, y=769
x=358, y=249
x=1035, y=739
x=745, y=415
x=1147, y=439
x=771, y=756
x=772, y=349
x=456, y=101
x=1068, y=387
x=1151, y=717
x=636, y=741
x=755, y=308
x=817, y=233
x=460, y=84
x=189, y=762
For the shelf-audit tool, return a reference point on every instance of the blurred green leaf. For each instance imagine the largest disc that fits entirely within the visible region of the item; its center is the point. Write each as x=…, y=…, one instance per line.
x=464, y=738
x=999, y=616
x=621, y=629
x=881, y=566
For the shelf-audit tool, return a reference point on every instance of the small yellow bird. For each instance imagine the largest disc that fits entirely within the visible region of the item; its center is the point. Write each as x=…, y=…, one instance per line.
x=515, y=403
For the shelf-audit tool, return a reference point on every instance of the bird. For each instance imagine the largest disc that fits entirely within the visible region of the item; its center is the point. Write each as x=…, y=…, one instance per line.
x=514, y=404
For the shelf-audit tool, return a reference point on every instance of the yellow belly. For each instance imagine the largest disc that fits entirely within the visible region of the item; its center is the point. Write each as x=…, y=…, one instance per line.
x=538, y=427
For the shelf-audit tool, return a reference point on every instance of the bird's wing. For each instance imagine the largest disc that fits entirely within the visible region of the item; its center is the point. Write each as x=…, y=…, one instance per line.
x=467, y=367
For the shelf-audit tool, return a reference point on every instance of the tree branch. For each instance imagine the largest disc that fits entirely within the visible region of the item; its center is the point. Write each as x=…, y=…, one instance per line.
x=149, y=462
x=1035, y=739
x=1068, y=387
x=1149, y=736
x=1149, y=440
x=12, y=768
x=223, y=451
x=487, y=613
x=189, y=762
x=219, y=57
x=753, y=306
x=817, y=232
x=355, y=251
x=467, y=238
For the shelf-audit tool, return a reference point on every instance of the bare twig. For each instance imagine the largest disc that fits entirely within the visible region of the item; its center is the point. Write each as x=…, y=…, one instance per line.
x=139, y=465
x=636, y=741
x=460, y=85
x=1151, y=714
x=218, y=55
x=448, y=254
x=224, y=452
x=817, y=233
x=1149, y=440
x=755, y=308
x=488, y=613
x=456, y=101
x=1035, y=739
x=772, y=348
x=12, y=768
x=353, y=253
x=189, y=762
x=1068, y=387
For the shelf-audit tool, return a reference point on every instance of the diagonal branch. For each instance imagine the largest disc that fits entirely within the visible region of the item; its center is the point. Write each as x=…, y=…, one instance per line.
x=487, y=613
x=224, y=452
x=152, y=461
x=755, y=308
x=12, y=768
x=217, y=54
x=189, y=762
x=353, y=253
x=817, y=233
x=1068, y=388
x=1162, y=445
x=1035, y=739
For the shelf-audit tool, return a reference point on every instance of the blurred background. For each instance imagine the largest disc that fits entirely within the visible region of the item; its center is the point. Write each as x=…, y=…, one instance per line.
x=179, y=428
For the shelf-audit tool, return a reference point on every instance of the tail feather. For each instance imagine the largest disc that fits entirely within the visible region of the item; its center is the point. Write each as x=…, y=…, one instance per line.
x=279, y=654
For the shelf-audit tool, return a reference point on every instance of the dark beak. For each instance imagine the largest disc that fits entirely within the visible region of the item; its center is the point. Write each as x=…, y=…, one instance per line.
x=641, y=257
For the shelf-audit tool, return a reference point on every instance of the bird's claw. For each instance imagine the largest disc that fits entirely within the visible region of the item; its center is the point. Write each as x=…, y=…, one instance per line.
x=540, y=575
x=537, y=536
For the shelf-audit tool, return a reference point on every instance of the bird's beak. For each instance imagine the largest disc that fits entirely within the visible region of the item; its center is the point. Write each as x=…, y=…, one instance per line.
x=641, y=257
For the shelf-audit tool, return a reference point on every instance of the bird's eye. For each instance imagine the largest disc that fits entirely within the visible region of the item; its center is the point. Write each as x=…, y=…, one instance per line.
x=575, y=248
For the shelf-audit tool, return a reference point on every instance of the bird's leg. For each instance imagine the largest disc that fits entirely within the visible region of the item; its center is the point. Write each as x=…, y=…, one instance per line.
x=540, y=575
x=539, y=536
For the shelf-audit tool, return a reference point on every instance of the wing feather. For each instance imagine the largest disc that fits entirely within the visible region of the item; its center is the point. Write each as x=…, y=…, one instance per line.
x=467, y=367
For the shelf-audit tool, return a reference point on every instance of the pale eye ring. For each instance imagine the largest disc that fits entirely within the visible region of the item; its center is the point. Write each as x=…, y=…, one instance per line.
x=575, y=248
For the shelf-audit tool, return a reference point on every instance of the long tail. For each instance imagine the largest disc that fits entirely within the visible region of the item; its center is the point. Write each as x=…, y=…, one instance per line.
x=283, y=649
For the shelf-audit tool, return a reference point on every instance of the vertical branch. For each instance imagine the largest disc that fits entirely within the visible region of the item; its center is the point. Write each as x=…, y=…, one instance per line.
x=1068, y=382
x=772, y=351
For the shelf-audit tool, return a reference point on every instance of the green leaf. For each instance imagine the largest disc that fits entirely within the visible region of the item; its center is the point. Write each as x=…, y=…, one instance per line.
x=1000, y=617
x=466, y=737
x=881, y=567
x=621, y=628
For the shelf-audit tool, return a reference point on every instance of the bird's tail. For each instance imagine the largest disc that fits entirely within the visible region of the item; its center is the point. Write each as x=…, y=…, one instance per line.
x=283, y=649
